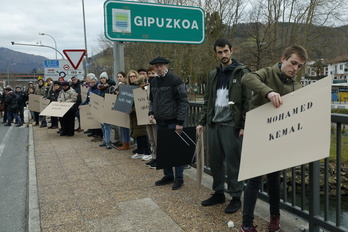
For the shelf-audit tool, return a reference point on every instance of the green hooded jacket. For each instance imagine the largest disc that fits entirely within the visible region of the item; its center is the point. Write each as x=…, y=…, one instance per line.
x=237, y=93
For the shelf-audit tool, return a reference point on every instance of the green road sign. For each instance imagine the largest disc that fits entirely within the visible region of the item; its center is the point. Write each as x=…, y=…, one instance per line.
x=148, y=22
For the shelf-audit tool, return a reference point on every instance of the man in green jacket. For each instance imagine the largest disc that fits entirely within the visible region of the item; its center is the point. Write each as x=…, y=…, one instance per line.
x=226, y=102
x=268, y=85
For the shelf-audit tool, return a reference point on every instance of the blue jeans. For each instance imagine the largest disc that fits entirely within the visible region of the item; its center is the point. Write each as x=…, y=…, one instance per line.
x=125, y=134
x=9, y=117
x=179, y=170
x=106, y=132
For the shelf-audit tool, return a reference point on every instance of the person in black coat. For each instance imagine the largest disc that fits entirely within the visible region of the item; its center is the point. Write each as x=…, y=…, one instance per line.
x=21, y=99
x=12, y=107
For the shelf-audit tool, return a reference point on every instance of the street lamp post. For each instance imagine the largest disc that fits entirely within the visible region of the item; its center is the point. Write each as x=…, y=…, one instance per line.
x=38, y=45
x=8, y=73
x=55, y=43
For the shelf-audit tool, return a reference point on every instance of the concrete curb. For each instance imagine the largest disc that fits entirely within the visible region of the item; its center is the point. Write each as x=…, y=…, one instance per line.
x=34, y=211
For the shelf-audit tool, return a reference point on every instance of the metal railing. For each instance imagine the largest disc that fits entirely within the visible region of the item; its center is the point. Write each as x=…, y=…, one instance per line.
x=305, y=189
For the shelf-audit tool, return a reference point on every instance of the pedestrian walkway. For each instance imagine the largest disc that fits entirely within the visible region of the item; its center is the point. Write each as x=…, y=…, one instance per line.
x=82, y=187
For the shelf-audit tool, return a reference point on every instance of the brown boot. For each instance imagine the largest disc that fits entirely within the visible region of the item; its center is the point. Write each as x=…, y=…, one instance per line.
x=125, y=146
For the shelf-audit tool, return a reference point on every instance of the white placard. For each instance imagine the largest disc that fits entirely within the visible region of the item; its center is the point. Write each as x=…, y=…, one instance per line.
x=296, y=133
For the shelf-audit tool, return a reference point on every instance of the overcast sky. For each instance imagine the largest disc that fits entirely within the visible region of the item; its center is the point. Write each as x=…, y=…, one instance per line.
x=22, y=20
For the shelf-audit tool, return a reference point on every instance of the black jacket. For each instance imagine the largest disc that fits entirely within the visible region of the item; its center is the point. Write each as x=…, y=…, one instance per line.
x=11, y=102
x=168, y=99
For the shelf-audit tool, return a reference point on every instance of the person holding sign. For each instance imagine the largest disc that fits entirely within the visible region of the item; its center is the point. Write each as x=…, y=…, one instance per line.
x=138, y=131
x=226, y=102
x=104, y=87
x=269, y=85
x=168, y=106
x=67, y=122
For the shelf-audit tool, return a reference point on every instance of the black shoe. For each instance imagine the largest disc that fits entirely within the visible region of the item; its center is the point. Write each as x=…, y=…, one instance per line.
x=135, y=151
x=7, y=124
x=153, y=165
x=19, y=125
x=90, y=135
x=216, y=198
x=118, y=144
x=234, y=206
x=165, y=180
x=177, y=184
x=87, y=131
x=148, y=164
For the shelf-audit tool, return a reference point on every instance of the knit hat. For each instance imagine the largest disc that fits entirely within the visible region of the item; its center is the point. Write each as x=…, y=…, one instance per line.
x=61, y=78
x=105, y=75
x=90, y=75
x=94, y=79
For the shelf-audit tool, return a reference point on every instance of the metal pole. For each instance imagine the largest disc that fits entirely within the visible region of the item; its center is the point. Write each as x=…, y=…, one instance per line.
x=118, y=50
x=84, y=29
x=116, y=58
x=39, y=45
x=8, y=73
x=55, y=43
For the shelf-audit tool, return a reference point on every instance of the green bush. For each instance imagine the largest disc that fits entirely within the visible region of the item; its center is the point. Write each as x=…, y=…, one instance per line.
x=339, y=111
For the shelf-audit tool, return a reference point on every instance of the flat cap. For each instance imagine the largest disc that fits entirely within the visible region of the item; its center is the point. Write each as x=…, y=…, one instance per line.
x=159, y=60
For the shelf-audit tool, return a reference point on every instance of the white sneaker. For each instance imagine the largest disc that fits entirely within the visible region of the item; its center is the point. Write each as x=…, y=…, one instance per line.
x=146, y=157
x=137, y=156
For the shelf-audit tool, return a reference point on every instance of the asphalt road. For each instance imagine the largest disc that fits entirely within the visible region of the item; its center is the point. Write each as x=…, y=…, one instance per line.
x=13, y=178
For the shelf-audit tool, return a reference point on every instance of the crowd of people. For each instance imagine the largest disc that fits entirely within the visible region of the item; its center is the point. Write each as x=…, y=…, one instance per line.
x=227, y=98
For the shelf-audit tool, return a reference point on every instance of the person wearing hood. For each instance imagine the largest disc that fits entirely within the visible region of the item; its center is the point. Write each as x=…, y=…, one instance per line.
x=226, y=102
x=104, y=87
x=68, y=94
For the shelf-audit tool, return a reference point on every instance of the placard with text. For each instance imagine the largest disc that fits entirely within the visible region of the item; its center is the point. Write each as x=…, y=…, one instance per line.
x=296, y=133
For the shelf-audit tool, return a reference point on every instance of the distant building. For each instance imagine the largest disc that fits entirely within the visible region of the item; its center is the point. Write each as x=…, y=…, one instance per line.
x=338, y=67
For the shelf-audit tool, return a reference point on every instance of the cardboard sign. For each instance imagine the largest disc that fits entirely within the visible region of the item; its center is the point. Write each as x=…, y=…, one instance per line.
x=96, y=103
x=141, y=102
x=175, y=150
x=84, y=91
x=57, y=109
x=87, y=121
x=296, y=133
x=125, y=99
x=34, y=102
x=44, y=103
x=114, y=117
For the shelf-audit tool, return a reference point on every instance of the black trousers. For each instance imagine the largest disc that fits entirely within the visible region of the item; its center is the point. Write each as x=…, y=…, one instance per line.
x=251, y=192
x=54, y=121
x=68, y=122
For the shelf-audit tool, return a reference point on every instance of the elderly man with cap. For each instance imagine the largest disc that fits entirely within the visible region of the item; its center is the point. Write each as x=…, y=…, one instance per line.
x=168, y=106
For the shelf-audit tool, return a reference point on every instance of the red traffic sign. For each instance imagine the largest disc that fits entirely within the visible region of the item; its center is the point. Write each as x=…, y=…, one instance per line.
x=75, y=56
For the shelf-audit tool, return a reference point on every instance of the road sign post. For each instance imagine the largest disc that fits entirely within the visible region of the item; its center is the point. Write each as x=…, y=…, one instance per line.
x=149, y=22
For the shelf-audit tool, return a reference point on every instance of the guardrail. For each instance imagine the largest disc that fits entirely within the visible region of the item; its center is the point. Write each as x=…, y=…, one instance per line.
x=305, y=189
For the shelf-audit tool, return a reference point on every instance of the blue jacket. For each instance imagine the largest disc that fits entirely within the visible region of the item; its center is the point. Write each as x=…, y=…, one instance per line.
x=94, y=89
